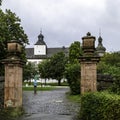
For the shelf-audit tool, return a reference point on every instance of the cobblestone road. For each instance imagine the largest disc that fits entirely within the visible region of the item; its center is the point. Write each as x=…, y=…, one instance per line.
x=48, y=105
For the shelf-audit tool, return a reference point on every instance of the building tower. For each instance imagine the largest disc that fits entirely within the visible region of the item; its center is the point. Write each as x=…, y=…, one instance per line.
x=40, y=47
x=100, y=49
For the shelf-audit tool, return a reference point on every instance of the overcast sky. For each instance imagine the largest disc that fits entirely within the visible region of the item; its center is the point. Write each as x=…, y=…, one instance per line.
x=65, y=21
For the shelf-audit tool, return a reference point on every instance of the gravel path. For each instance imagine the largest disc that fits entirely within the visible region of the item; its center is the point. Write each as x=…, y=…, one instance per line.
x=48, y=105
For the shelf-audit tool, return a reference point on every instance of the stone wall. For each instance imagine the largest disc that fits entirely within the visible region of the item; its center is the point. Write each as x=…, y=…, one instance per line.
x=104, y=81
x=1, y=92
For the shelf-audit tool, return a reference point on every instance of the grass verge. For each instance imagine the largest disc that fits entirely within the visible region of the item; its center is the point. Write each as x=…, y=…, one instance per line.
x=38, y=88
x=51, y=84
x=73, y=98
x=11, y=113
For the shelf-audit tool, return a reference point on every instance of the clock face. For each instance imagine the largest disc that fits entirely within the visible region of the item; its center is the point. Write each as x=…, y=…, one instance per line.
x=40, y=50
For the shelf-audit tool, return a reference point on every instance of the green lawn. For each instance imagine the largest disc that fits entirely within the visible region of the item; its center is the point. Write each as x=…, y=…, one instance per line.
x=38, y=88
x=51, y=84
x=73, y=98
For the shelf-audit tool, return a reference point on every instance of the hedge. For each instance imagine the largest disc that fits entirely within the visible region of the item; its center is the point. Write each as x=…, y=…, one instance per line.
x=100, y=106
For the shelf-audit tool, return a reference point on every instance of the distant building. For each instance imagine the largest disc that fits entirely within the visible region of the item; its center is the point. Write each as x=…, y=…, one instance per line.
x=40, y=51
x=100, y=49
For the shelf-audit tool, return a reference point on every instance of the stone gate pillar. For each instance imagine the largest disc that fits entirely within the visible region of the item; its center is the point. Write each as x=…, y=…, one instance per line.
x=88, y=64
x=13, y=75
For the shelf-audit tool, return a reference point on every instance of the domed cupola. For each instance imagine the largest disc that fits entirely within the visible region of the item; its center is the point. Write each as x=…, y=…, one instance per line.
x=100, y=49
x=40, y=40
x=40, y=46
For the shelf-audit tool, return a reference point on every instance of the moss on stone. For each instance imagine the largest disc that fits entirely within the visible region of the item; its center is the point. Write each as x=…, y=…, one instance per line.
x=11, y=113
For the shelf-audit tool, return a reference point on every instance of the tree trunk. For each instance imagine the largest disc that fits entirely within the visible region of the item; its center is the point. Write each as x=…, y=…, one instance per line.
x=59, y=82
x=45, y=82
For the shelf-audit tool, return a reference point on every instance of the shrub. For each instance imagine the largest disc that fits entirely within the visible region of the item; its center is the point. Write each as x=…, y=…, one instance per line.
x=100, y=106
x=115, y=88
x=72, y=74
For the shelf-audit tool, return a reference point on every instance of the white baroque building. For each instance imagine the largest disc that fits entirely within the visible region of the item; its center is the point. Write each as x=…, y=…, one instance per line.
x=40, y=51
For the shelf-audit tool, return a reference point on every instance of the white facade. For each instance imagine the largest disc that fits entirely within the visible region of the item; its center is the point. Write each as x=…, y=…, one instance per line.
x=39, y=49
x=35, y=61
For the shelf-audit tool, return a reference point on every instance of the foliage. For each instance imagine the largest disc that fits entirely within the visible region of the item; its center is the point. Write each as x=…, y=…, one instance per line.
x=75, y=52
x=43, y=68
x=29, y=71
x=72, y=69
x=10, y=29
x=57, y=66
x=72, y=74
x=11, y=113
x=112, y=59
x=55, y=84
x=110, y=64
x=100, y=106
x=115, y=88
x=108, y=69
x=54, y=67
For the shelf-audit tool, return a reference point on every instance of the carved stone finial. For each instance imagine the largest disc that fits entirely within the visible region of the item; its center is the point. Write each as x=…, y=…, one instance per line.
x=99, y=32
x=41, y=31
x=88, y=34
x=100, y=40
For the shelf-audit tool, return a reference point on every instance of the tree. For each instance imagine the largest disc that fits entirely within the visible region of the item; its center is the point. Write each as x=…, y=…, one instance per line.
x=72, y=69
x=110, y=64
x=43, y=68
x=29, y=71
x=112, y=59
x=72, y=74
x=75, y=51
x=10, y=29
x=57, y=66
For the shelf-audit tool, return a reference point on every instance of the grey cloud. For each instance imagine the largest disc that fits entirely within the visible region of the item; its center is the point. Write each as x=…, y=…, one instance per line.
x=64, y=21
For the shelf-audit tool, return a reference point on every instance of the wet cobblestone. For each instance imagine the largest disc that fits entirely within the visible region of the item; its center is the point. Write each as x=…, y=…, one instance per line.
x=48, y=105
